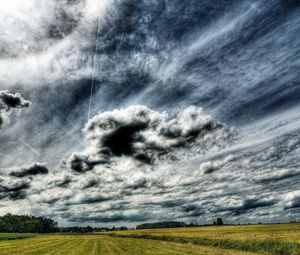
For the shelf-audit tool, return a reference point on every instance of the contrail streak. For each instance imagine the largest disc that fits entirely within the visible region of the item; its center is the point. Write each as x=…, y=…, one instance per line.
x=27, y=145
x=94, y=65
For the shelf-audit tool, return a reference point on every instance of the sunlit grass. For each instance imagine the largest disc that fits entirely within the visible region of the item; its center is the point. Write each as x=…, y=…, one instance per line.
x=105, y=245
x=271, y=238
x=13, y=236
x=280, y=232
x=281, y=239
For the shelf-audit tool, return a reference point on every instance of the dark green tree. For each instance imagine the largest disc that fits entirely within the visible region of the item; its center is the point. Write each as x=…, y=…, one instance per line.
x=220, y=222
x=26, y=224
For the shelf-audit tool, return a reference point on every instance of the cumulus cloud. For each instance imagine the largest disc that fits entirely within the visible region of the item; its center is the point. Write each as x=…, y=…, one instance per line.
x=10, y=103
x=31, y=170
x=143, y=164
x=60, y=181
x=211, y=166
x=249, y=204
x=89, y=183
x=116, y=218
x=121, y=187
x=12, y=184
x=81, y=163
x=292, y=199
x=15, y=101
x=146, y=135
x=89, y=199
x=13, y=190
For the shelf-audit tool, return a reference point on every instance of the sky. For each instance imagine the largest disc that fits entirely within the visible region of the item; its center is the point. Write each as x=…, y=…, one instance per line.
x=120, y=112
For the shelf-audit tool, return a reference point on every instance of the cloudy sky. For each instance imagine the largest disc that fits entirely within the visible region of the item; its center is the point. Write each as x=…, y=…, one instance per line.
x=118, y=112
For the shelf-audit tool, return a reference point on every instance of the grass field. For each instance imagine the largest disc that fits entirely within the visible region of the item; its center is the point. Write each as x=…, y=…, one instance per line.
x=10, y=236
x=280, y=232
x=270, y=238
x=240, y=240
x=104, y=245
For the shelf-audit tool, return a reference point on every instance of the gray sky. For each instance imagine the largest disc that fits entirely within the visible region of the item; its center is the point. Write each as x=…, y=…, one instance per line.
x=121, y=112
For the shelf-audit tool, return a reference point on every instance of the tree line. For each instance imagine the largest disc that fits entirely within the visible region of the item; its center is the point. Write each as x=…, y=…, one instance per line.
x=175, y=224
x=88, y=229
x=166, y=224
x=26, y=224
x=30, y=224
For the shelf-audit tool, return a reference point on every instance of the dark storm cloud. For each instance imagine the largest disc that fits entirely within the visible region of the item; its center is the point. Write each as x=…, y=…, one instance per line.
x=93, y=200
x=50, y=201
x=15, y=101
x=62, y=181
x=80, y=163
x=251, y=204
x=295, y=203
x=174, y=204
x=171, y=203
x=31, y=170
x=292, y=200
x=192, y=210
x=13, y=190
x=88, y=198
x=10, y=102
x=187, y=191
x=146, y=135
x=118, y=217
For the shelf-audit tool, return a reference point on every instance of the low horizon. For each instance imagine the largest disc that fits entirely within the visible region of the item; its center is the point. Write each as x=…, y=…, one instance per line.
x=17, y=219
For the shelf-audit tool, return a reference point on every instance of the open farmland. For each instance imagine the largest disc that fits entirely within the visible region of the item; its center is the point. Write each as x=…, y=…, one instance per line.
x=261, y=232
x=239, y=240
x=270, y=238
x=14, y=236
x=104, y=245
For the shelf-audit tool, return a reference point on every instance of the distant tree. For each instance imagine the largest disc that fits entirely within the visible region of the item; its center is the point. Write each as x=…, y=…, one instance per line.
x=165, y=224
x=214, y=223
x=24, y=223
x=220, y=222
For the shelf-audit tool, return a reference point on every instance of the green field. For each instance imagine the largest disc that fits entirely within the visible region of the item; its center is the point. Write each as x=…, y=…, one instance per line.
x=11, y=236
x=102, y=244
x=252, y=239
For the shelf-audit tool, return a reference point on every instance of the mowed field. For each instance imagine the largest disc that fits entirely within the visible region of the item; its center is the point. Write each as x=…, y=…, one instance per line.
x=239, y=240
x=104, y=245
